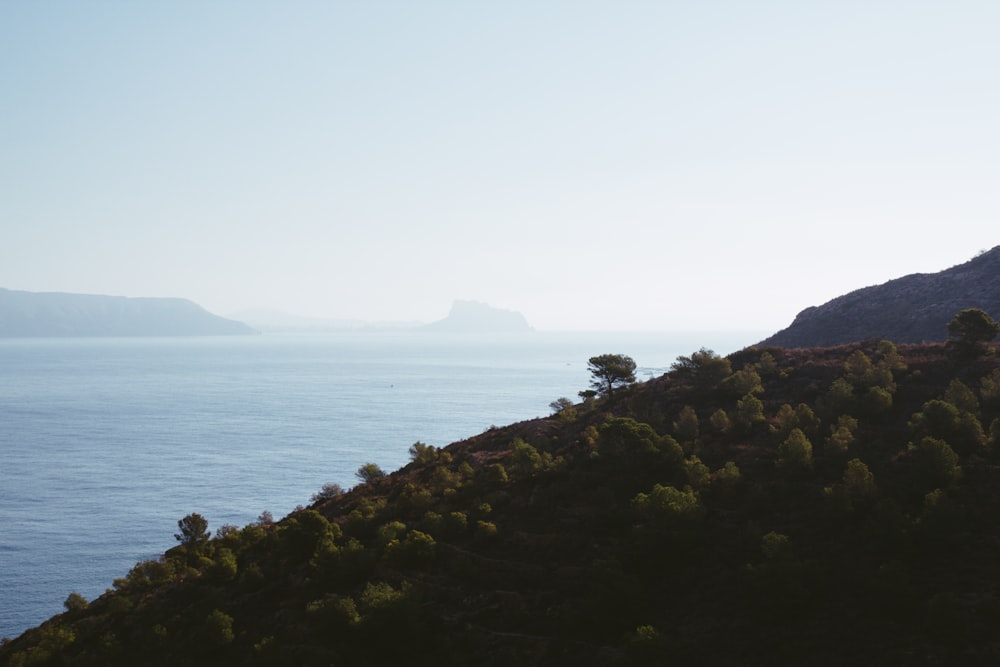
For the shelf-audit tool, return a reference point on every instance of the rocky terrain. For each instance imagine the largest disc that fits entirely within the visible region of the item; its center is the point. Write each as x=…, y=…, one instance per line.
x=911, y=309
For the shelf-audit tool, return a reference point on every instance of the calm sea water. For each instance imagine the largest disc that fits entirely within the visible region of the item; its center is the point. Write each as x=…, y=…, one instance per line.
x=106, y=443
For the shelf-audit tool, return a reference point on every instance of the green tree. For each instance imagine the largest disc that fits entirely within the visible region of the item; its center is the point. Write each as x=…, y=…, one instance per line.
x=686, y=427
x=842, y=434
x=423, y=454
x=219, y=628
x=307, y=532
x=969, y=332
x=859, y=482
x=564, y=409
x=785, y=420
x=609, y=371
x=705, y=368
x=194, y=530
x=667, y=504
x=75, y=602
x=989, y=391
x=749, y=411
x=370, y=472
x=329, y=490
x=961, y=396
x=887, y=356
x=796, y=451
x=936, y=463
x=720, y=421
x=744, y=381
x=624, y=435
x=941, y=419
x=525, y=459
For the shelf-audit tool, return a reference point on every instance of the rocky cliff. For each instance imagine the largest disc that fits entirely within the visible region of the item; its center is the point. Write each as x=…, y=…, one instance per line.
x=911, y=309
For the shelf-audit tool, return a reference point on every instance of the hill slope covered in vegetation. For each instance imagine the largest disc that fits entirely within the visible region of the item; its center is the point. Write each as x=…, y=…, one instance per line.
x=911, y=309
x=822, y=506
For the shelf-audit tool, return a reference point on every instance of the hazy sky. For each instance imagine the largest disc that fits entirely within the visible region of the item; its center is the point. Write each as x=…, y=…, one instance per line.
x=594, y=165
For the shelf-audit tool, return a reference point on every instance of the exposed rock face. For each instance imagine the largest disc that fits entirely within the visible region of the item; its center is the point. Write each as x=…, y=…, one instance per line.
x=28, y=314
x=475, y=317
x=911, y=309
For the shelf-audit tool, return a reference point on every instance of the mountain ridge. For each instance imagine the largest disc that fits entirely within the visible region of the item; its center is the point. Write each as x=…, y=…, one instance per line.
x=912, y=309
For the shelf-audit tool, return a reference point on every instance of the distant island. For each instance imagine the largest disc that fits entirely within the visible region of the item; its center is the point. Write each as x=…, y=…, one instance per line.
x=58, y=314
x=476, y=317
x=912, y=309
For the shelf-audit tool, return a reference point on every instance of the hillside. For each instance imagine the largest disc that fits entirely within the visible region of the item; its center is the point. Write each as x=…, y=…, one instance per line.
x=911, y=309
x=28, y=314
x=803, y=507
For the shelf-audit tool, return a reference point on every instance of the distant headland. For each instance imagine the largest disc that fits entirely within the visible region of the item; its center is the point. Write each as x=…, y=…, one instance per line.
x=59, y=314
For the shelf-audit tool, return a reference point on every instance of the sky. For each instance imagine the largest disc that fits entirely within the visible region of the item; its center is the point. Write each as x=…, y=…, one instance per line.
x=618, y=165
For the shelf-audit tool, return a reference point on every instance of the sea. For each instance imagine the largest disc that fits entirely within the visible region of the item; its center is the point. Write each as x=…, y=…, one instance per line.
x=105, y=443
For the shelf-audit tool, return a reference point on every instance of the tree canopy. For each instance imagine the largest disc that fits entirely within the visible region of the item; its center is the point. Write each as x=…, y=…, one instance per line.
x=194, y=530
x=610, y=371
x=970, y=330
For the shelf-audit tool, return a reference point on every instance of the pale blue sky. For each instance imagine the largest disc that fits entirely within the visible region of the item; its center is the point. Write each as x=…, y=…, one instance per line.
x=594, y=165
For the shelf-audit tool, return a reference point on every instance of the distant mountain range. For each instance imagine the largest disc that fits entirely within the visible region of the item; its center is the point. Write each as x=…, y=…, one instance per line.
x=59, y=314
x=912, y=309
x=37, y=314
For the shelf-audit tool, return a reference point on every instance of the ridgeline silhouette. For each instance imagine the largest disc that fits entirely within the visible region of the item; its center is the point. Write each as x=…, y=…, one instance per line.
x=912, y=309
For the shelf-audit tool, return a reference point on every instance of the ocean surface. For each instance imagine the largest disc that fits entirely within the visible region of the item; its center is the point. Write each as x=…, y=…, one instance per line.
x=106, y=443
